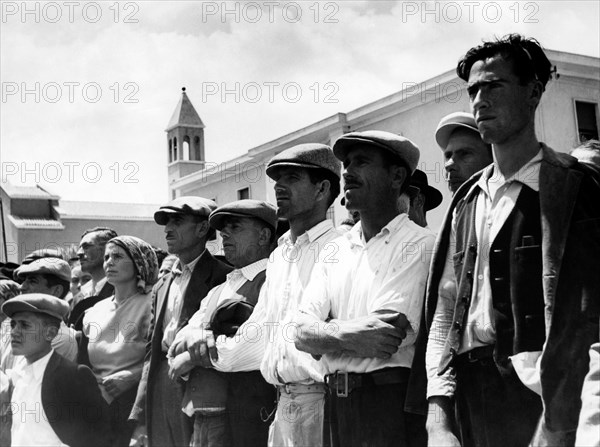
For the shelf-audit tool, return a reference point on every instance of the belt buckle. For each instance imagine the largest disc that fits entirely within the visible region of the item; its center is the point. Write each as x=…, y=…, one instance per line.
x=344, y=391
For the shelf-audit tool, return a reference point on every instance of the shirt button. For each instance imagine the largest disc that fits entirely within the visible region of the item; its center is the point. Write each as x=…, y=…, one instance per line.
x=480, y=277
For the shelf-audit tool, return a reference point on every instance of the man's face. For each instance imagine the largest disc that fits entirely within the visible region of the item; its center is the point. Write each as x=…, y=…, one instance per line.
x=294, y=192
x=503, y=108
x=183, y=233
x=29, y=335
x=90, y=253
x=367, y=178
x=465, y=154
x=36, y=283
x=241, y=240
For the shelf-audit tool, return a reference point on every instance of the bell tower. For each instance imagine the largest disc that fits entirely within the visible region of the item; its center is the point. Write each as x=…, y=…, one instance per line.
x=185, y=140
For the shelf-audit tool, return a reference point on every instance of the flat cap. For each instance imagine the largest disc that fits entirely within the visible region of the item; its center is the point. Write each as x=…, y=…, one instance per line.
x=40, y=303
x=396, y=145
x=189, y=205
x=45, y=266
x=311, y=155
x=433, y=197
x=42, y=253
x=450, y=123
x=256, y=209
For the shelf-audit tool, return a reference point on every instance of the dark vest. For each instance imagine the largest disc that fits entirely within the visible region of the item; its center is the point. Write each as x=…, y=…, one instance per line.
x=515, y=276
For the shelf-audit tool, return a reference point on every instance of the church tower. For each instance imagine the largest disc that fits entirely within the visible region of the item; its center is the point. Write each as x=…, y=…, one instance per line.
x=185, y=140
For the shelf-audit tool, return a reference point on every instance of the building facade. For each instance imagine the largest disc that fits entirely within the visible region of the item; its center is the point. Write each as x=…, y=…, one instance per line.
x=568, y=112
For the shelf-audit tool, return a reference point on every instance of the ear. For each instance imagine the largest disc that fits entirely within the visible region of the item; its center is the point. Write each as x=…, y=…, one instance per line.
x=57, y=290
x=324, y=186
x=536, y=91
x=399, y=176
x=202, y=229
x=50, y=332
x=264, y=236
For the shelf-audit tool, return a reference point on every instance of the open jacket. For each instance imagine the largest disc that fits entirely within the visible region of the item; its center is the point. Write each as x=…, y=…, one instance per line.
x=569, y=195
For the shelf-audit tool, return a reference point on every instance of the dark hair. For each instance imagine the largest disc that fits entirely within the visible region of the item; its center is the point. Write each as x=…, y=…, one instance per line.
x=319, y=174
x=104, y=235
x=160, y=254
x=529, y=60
x=53, y=280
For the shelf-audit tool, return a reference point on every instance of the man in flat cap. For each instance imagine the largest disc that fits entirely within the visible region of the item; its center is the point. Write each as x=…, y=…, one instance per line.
x=512, y=300
x=423, y=197
x=54, y=401
x=228, y=406
x=307, y=181
x=175, y=298
x=465, y=153
x=360, y=313
x=51, y=276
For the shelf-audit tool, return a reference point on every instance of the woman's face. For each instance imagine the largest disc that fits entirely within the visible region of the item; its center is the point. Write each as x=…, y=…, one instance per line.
x=118, y=266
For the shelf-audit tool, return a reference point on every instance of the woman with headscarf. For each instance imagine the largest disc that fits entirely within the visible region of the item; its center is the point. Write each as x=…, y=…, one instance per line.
x=116, y=328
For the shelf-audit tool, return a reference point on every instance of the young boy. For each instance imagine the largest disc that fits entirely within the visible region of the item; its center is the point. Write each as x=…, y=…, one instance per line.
x=54, y=402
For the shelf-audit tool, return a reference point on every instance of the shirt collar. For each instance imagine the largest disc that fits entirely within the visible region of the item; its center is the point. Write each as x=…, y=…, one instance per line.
x=308, y=236
x=356, y=237
x=179, y=266
x=97, y=287
x=37, y=368
x=249, y=271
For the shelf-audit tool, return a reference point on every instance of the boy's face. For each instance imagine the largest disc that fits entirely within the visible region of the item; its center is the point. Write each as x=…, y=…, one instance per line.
x=30, y=335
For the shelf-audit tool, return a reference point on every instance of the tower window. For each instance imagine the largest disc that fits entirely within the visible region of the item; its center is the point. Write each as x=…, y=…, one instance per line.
x=587, y=120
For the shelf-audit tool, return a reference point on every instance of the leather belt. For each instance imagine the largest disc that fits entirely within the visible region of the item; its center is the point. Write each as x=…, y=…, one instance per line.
x=300, y=388
x=343, y=383
x=475, y=355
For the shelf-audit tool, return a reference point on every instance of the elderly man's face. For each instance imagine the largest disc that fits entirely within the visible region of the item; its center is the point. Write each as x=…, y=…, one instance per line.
x=242, y=241
x=91, y=253
x=465, y=154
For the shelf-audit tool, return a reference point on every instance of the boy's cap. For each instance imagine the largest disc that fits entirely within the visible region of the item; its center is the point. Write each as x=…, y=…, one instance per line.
x=40, y=303
x=45, y=266
x=400, y=147
x=256, y=209
x=190, y=205
x=311, y=155
x=450, y=123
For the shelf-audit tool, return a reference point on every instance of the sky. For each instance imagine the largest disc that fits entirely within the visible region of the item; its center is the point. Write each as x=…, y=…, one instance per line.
x=88, y=88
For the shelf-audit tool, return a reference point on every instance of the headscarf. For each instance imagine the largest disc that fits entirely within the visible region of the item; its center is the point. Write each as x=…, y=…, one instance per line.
x=144, y=259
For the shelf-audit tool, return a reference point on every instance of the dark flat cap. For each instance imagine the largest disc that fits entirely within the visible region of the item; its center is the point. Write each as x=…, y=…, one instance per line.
x=450, y=123
x=256, y=209
x=433, y=197
x=311, y=155
x=396, y=145
x=40, y=303
x=45, y=266
x=189, y=205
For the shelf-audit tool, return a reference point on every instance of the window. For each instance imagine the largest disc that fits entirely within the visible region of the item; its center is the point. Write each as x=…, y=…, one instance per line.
x=587, y=120
x=243, y=193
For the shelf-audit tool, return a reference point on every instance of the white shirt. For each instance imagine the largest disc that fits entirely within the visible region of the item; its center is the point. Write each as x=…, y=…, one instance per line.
x=269, y=333
x=234, y=280
x=182, y=276
x=389, y=272
x=30, y=426
x=496, y=198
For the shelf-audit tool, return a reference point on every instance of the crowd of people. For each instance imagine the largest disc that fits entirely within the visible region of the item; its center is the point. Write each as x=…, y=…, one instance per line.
x=374, y=333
